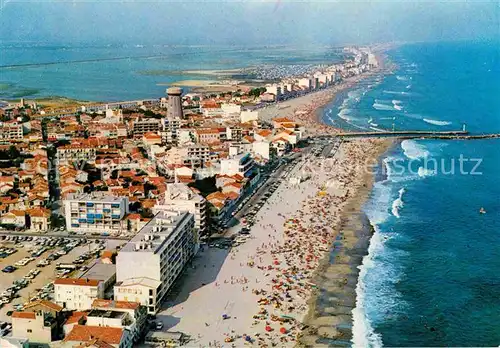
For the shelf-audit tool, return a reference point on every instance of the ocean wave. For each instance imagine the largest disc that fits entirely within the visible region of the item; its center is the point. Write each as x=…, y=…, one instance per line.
x=398, y=107
x=437, y=122
x=373, y=124
x=414, y=150
x=398, y=203
x=403, y=78
x=382, y=107
x=396, y=92
x=343, y=114
x=414, y=116
x=363, y=334
x=408, y=86
x=423, y=172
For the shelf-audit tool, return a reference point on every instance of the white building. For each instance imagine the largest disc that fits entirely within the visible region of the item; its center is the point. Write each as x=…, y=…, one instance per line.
x=305, y=82
x=249, y=116
x=95, y=212
x=141, y=290
x=261, y=148
x=170, y=127
x=11, y=130
x=145, y=125
x=241, y=164
x=77, y=294
x=158, y=253
x=179, y=197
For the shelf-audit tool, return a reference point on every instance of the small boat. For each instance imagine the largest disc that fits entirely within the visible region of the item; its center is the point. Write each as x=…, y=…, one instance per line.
x=482, y=211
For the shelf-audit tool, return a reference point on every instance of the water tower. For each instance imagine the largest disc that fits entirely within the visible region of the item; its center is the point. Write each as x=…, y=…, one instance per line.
x=174, y=108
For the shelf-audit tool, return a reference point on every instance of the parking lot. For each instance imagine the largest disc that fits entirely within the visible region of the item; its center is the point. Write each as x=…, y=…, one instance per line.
x=37, y=261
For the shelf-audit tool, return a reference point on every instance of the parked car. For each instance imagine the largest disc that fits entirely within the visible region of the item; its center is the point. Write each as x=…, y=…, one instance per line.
x=9, y=269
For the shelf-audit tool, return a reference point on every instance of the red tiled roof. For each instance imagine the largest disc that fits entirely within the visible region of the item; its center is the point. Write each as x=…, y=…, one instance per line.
x=24, y=315
x=44, y=303
x=75, y=317
x=111, y=335
x=264, y=132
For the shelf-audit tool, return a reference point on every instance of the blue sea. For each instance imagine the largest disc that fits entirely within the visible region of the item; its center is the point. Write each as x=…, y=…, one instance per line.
x=109, y=72
x=431, y=277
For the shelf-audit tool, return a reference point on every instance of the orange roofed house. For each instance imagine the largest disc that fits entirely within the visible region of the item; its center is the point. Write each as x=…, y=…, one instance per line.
x=116, y=337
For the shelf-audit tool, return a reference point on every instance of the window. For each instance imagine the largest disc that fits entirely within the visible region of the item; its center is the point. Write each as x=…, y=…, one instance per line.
x=29, y=331
x=150, y=292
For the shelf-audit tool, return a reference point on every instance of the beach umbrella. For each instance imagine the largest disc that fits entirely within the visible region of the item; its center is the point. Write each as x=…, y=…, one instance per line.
x=268, y=328
x=283, y=330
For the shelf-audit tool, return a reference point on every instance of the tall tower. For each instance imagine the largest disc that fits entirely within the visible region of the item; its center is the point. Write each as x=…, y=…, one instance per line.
x=174, y=109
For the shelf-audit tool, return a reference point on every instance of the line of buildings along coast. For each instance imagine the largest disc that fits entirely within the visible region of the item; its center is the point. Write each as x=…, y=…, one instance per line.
x=162, y=173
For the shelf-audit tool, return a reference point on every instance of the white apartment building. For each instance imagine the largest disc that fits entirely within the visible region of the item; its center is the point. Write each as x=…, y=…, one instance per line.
x=11, y=130
x=158, y=253
x=145, y=125
x=199, y=152
x=305, y=82
x=69, y=154
x=77, y=294
x=179, y=197
x=241, y=164
x=170, y=127
x=274, y=89
x=95, y=212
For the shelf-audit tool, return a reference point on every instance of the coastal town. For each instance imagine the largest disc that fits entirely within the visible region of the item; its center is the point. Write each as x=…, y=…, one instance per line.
x=192, y=219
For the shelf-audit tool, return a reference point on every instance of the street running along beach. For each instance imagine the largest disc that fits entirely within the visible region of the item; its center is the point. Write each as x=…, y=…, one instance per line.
x=309, y=239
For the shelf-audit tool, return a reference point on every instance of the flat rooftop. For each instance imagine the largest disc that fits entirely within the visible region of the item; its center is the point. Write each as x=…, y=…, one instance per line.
x=156, y=232
x=94, y=196
x=106, y=314
x=100, y=271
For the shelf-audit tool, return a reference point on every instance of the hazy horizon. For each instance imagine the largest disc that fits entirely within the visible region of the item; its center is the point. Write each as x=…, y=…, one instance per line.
x=263, y=22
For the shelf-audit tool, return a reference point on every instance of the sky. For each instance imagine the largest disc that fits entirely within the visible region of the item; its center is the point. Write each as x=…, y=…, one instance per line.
x=250, y=22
